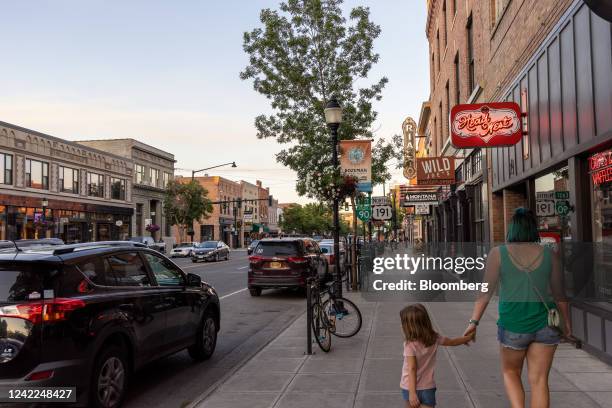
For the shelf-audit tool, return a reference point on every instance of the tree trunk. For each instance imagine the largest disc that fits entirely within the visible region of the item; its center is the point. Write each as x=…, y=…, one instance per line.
x=354, y=244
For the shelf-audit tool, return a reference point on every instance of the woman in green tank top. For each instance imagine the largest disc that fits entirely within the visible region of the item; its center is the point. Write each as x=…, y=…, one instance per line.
x=530, y=283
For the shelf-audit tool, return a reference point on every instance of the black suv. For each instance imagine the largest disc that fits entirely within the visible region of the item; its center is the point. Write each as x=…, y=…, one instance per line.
x=87, y=315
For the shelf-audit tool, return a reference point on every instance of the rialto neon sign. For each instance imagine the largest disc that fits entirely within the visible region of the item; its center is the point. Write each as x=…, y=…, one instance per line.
x=485, y=125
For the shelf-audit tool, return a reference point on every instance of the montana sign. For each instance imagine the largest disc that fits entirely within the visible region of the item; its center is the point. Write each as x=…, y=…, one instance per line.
x=435, y=171
x=485, y=125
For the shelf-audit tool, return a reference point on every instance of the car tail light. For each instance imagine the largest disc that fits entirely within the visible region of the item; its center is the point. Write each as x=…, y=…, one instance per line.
x=297, y=259
x=255, y=258
x=40, y=375
x=52, y=311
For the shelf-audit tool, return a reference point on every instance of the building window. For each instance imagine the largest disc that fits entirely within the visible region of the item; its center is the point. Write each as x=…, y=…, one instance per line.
x=497, y=10
x=444, y=31
x=37, y=174
x=438, y=49
x=433, y=70
x=470, y=50
x=139, y=172
x=117, y=188
x=154, y=176
x=95, y=185
x=68, y=180
x=478, y=213
x=167, y=178
x=476, y=162
x=448, y=107
x=457, y=81
x=440, y=130
x=454, y=7
x=6, y=164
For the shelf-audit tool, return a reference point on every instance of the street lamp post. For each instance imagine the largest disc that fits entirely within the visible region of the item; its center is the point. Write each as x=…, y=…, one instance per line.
x=333, y=117
x=193, y=172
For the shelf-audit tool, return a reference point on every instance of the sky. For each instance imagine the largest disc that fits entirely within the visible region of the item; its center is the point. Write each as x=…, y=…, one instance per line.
x=167, y=73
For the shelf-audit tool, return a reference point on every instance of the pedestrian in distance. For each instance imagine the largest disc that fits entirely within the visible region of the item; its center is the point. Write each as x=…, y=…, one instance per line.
x=531, y=295
x=421, y=343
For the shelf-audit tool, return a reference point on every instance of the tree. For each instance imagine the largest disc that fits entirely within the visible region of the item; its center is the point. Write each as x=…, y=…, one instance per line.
x=306, y=53
x=312, y=218
x=185, y=203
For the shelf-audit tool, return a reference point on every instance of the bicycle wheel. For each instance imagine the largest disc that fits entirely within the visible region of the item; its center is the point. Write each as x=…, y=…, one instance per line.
x=320, y=326
x=345, y=316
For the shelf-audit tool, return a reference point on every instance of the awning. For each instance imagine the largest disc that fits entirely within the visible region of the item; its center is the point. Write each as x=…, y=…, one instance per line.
x=256, y=227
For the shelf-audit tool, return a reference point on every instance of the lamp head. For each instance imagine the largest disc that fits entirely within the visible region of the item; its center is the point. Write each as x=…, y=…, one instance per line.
x=234, y=165
x=333, y=112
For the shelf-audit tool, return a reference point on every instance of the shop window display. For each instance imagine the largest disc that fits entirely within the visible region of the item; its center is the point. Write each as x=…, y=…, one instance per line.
x=552, y=205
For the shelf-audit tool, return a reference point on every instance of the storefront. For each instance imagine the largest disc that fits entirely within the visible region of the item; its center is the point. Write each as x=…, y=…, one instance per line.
x=25, y=218
x=562, y=167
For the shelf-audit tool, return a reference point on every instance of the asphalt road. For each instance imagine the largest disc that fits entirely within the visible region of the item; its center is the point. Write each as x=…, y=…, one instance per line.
x=247, y=324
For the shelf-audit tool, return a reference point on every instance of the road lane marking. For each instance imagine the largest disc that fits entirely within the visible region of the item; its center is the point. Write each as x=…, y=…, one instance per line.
x=233, y=293
x=242, y=267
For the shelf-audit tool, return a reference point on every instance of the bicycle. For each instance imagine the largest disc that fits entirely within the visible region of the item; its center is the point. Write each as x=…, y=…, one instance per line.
x=335, y=315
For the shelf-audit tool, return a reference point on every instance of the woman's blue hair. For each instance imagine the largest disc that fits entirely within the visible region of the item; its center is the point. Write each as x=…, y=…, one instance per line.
x=523, y=226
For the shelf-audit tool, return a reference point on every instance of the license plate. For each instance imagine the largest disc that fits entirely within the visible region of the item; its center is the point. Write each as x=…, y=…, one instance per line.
x=201, y=256
x=275, y=265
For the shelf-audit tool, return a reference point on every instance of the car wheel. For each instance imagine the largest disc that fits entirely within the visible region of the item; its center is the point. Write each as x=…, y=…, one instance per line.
x=194, y=260
x=206, y=339
x=227, y=256
x=109, y=380
x=255, y=291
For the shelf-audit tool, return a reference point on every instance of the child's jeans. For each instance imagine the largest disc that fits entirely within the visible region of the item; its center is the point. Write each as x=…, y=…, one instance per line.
x=427, y=397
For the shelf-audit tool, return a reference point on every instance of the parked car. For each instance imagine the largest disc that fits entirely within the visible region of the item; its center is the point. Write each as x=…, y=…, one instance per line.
x=28, y=243
x=327, y=247
x=211, y=251
x=252, y=246
x=150, y=243
x=79, y=315
x=184, y=249
x=285, y=263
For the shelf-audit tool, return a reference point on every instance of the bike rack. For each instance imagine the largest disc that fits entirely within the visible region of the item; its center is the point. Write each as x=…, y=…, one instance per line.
x=309, y=316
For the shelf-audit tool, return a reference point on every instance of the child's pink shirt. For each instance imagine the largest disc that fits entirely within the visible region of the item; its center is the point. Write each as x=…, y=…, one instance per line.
x=426, y=362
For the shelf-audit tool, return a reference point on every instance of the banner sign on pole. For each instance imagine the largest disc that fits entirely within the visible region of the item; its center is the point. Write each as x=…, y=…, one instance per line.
x=485, y=125
x=434, y=171
x=356, y=161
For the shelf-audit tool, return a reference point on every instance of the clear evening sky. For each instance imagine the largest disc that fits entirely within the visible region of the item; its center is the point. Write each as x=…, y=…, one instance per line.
x=166, y=73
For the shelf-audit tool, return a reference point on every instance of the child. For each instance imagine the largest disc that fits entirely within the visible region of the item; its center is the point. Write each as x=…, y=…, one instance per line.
x=420, y=347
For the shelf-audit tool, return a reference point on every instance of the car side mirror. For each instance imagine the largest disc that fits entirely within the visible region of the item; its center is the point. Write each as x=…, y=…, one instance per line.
x=194, y=280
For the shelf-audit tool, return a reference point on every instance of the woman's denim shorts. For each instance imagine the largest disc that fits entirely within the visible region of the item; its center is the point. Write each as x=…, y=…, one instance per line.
x=520, y=341
x=427, y=397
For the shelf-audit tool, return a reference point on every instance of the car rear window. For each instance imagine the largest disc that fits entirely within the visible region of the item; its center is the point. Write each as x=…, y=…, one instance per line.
x=277, y=248
x=28, y=281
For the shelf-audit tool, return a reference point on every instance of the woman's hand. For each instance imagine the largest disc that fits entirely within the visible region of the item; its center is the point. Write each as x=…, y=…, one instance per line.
x=471, y=331
x=414, y=400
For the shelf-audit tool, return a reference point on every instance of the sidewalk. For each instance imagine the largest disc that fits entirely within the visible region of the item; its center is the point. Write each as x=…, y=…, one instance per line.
x=364, y=371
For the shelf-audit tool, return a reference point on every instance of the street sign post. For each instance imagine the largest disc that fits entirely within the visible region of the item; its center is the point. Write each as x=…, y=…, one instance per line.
x=364, y=209
x=382, y=212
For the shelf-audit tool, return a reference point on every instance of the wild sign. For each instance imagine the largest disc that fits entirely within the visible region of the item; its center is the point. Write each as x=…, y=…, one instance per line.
x=435, y=171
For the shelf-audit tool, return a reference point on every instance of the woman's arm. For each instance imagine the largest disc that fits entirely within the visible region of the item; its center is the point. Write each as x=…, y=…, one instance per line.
x=491, y=277
x=557, y=286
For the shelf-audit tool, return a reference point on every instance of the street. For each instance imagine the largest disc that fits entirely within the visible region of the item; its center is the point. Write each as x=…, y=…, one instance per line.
x=247, y=324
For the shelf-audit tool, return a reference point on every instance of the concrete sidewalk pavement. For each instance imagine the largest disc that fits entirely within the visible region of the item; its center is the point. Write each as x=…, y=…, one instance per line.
x=364, y=371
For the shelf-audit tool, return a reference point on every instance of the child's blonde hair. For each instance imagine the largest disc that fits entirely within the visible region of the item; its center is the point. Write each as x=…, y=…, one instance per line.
x=416, y=325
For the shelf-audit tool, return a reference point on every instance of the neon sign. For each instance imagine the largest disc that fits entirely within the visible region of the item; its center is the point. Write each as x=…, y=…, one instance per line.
x=485, y=125
x=600, y=165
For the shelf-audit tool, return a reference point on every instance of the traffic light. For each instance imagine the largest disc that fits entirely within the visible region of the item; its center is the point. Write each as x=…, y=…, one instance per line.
x=224, y=206
x=239, y=203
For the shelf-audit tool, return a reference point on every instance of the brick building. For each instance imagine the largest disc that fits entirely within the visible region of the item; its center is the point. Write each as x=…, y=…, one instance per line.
x=554, y=59
x=53, y=188
x=222, y=221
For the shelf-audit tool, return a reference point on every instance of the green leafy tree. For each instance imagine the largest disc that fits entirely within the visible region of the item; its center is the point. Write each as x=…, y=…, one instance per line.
x=312, y=218
x=185, y=203
x=304, y=54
